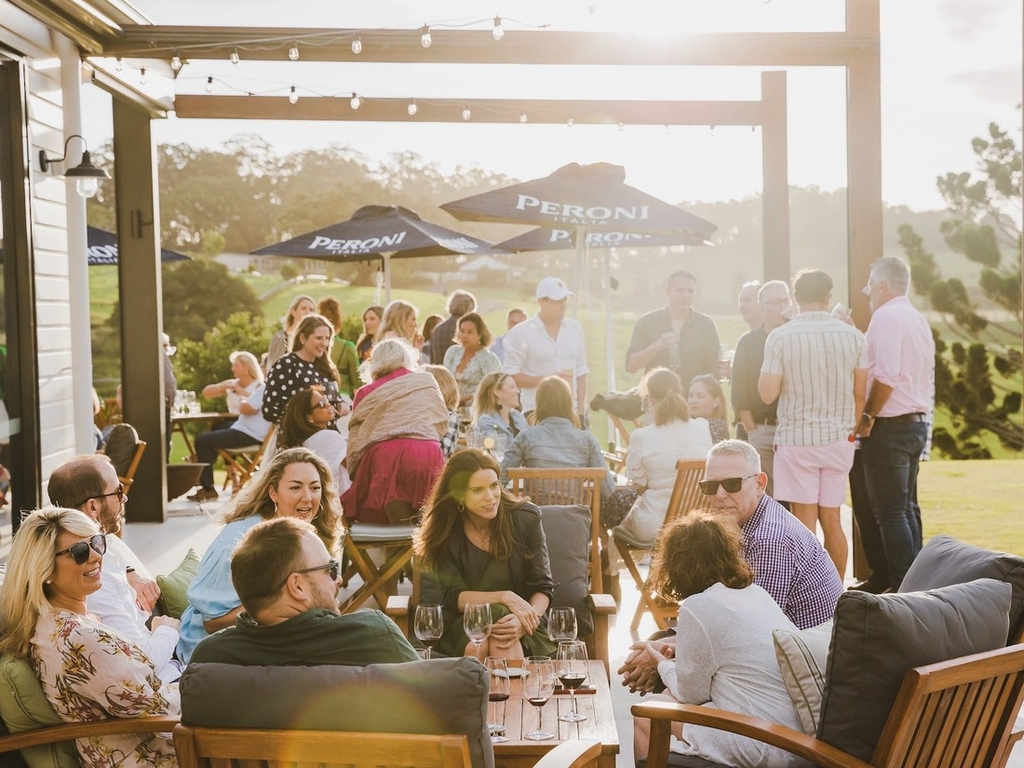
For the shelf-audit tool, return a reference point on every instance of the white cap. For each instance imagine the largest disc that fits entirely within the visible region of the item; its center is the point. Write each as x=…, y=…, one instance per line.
x=552, y=288
x=168, y=347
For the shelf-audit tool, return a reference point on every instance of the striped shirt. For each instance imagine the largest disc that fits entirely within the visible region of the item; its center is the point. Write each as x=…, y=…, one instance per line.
x=791, y=565
x=816, y=355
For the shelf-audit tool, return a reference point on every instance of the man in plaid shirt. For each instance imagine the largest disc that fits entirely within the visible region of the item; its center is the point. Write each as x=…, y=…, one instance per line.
x=788, y=560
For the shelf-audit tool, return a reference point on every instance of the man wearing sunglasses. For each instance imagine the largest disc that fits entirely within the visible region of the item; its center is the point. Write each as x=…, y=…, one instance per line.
x=788, y=561
x=288, y=584
x=126, y=597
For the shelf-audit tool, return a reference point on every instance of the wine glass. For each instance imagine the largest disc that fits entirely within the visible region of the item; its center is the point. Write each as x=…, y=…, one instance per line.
x=538, y=686
x=562, y=624
x=476, y=621
x=571, y=668
x=429, y=624
x=497, y=668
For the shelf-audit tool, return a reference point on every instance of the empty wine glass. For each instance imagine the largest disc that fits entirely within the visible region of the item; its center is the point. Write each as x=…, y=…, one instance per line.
x=538, y=686
x=497, y=668
x=476, y=621
x=571, y=668
x=562, y=624
x=429, y=624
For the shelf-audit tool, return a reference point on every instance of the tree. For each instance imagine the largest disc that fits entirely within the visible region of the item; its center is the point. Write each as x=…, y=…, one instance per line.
x=199, y=294
x=978, y=373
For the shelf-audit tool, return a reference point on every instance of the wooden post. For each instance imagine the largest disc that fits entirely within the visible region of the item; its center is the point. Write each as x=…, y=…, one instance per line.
x=775, y=177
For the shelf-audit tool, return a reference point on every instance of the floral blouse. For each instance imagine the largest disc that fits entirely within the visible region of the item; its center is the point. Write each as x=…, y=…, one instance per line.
x=90, y=672
x=483, y=362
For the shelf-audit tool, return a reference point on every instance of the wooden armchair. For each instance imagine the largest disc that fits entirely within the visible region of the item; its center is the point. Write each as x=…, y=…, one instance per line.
x=953, y=713
x=68, y=732
x=242, y=463
x=129, y=476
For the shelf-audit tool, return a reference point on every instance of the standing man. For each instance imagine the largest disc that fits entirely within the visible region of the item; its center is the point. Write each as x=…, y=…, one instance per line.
x=677, y=336
x=750, y=308
x=515, y=316
x=893, y=426
x=757, y=419
x=548, y=344
x=816, y=367
x=443, y=336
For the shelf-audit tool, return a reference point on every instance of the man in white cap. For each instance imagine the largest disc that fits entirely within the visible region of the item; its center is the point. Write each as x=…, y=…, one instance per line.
x=548, y=344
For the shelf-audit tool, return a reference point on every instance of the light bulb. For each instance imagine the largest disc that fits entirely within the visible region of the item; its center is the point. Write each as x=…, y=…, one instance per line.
x=293, y=52
x=176, y=63
x=712, y=131
x=293, y=96
x=355, y=102
x=411, y=109
x=86, y=186
x=570, y=122
x=209, y=84
x=498, y=31
x=234, y=56
x=117, y=64
x=523, y=118
x=425, y=39
x=622, y=126
x=142, y=76
x=466, y=114
x=667, y=129
x=357, y=46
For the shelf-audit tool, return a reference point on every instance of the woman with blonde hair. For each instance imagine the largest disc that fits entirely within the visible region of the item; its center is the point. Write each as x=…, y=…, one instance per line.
x=295, y=483
x=399, y=322
x=450, y=394
x=281, y=342
x=495, y=407
x=87, y=670
x=371, y=325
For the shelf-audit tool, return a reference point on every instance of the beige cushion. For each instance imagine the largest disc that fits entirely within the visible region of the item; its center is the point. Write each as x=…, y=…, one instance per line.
x=803, y=656
x=24, y=707
x=174, y=586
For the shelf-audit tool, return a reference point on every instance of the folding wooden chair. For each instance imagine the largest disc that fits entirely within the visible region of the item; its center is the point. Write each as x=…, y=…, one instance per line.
x=243, y=463
x=686, y=496
x=567, y=485
x=358, y=540
x=129, y=476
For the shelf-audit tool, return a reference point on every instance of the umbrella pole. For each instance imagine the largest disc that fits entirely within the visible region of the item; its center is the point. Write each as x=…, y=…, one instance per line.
x=577, y=270
x=387, y=278
x=609, y=341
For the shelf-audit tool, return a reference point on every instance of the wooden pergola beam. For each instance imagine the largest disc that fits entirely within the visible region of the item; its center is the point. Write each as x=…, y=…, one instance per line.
x=478, y=46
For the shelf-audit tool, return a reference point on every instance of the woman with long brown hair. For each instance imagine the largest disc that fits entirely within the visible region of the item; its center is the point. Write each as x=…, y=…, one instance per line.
x=307, y=365
x=371, y=323
x=479, y=544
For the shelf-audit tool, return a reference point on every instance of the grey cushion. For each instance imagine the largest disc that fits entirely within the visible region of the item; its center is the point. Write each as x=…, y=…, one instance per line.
x=438, y=696
x=876, y=639
x=945, y=561
x=567, y=530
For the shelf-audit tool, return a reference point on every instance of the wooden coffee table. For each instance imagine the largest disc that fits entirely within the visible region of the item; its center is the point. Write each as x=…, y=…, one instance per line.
x=521, y=717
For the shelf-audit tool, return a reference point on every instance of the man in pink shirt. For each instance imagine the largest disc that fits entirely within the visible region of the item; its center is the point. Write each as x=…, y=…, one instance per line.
x=894, y=425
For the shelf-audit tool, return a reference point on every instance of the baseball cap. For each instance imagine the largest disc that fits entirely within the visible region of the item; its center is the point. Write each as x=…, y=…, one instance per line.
x=168, y=347
x=552, y=288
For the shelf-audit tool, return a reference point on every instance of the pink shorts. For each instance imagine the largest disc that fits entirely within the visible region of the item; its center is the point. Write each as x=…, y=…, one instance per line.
x=813, y=474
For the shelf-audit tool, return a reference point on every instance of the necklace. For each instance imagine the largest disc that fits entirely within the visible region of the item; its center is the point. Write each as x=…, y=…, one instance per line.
x=480, y=538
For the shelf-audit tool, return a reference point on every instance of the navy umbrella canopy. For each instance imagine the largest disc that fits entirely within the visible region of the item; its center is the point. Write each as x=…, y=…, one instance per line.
x=378, y=230
x=558, y=239
x=102, y=248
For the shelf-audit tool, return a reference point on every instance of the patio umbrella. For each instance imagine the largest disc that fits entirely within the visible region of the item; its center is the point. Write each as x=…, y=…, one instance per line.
x=378, y=231
x=102, y=248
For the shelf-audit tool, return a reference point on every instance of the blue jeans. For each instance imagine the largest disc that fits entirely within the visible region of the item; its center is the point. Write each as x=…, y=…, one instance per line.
x=890, y=457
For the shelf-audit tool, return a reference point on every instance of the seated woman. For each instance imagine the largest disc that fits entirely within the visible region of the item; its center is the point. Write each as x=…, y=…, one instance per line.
x=468, y=359
x=655, y=449
x=450, y=393
x=394, y=448
x=707, y=401
x=479, y=544
x=306, y=424
x=245, y=394
x=724, y=655
x=296, y=483
x=88, y=671
x=307, y=365
x=495, y=406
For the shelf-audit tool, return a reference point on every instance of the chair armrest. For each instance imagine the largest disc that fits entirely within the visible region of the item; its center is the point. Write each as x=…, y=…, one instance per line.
x=71, y=731
x=603, y=604
x=663, y=714
x=571, y=754
x=601, y=607
x=398, y=609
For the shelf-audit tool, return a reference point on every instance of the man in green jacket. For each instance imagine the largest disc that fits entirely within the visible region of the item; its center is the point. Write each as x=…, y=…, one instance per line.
x=288, y=585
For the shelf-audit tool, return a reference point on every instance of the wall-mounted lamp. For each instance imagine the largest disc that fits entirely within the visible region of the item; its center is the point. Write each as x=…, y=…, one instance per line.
x=85, y=174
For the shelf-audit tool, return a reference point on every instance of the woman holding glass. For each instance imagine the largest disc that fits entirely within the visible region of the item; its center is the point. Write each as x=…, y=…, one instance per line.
x=480, y=545
x=468, y=359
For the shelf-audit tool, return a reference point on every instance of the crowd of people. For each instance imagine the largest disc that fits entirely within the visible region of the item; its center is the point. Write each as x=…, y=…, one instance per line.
x=375, y=432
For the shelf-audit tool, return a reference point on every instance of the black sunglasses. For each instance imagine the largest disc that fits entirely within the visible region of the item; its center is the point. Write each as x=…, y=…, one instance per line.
x=119, y=493
x=731, y=484
x=80, y=549
x=333, y=568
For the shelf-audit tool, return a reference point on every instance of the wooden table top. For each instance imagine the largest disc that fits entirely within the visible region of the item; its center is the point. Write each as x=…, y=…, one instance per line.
x=521, y=717
x=184, y=418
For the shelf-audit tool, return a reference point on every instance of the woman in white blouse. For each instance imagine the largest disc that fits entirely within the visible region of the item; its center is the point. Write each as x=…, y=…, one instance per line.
x=307, y=423
x=655, y=449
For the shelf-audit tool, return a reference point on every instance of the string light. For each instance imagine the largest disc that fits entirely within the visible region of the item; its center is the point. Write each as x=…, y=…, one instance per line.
x=622, y=126
x=499, y=31
x=142, y=76
x=412, y=109
x=425, y=39
x=176, y=62
x=355, y=102
x=668, y=129
x=117, y=64
x=357, y=45
x=466, y=114
x=570, y=122
x=523, y=118
x=712, y=131
x=209, y=84
x=235, y=58
x=293, y=52
x=293, y=96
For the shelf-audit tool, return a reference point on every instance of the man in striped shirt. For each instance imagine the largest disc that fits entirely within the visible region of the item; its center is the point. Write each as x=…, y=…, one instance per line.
x=816, y=365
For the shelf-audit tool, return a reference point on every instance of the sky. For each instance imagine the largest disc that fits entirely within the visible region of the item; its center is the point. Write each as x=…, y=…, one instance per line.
x=948, y=67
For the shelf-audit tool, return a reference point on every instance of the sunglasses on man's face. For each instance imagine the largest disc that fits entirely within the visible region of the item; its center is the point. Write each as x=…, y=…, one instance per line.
x=730, y=484
x=80, y=549
x=119, y=492
x=333, y=568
